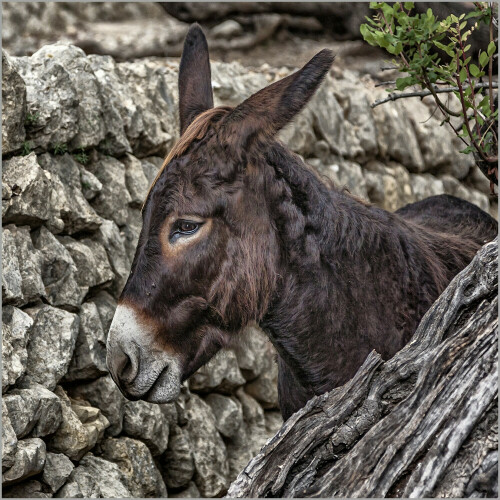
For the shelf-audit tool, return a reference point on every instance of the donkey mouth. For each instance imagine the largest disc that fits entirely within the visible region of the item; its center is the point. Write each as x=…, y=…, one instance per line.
x=166, y=388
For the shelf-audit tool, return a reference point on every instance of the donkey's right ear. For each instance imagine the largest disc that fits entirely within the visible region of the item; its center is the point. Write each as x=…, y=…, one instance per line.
x=195, y=80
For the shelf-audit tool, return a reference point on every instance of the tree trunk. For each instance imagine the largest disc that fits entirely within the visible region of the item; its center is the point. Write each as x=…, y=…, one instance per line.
x=423, y=424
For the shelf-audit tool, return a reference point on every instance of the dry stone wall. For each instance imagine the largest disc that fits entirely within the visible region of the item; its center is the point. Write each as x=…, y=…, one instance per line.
x=83, y=138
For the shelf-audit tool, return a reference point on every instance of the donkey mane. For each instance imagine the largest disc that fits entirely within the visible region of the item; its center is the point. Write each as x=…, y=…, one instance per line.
x=195, y=131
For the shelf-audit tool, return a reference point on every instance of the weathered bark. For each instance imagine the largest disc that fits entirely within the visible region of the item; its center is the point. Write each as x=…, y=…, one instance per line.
x=422, y=424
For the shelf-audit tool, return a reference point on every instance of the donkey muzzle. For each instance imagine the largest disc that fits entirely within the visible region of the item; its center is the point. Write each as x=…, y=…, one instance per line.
x=138, y=367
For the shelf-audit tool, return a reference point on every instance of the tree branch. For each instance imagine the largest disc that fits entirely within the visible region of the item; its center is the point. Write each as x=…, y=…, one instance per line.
x=424, y=93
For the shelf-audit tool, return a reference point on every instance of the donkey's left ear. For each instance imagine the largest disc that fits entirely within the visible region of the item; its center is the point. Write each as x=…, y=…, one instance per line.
x=270, y=109
x=195, y=80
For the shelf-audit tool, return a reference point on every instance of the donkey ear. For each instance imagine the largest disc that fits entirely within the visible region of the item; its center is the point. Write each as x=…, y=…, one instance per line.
x=270, y=109
x=195, y=81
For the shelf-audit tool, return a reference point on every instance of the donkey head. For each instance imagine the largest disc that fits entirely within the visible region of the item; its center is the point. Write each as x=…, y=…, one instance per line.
x=207, y=259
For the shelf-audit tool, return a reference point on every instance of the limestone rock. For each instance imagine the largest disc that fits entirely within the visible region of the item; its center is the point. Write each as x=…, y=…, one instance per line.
x=106, y=306
x=455, y=188
x=58, y=468
x=343, y=173
x=89, y=356
x=95, y=478
x=141, y=102
x=227, y=412
x=33, y=411
x=91, y=185
x=209, y=452
x=144, y=421
x=142, y=477
x=9, y=439
x=361, y=132
x=251, y=344
x=220, y=374
x=58, y=271
x=274, y=421
x=253, y=416
x=131, y=231
x=251, y=436
x=388, y=186
x=150, y=167
x=30, y=188
x=177, y=462
x=112, y=200
x=49, y=354
x=478, y=180
x=395, y=136
x=227, y=29
x=265, y=387
x=104, y=394
x=232, y=83
x=92, y=265
x=439, y=146
x=426, y=185
x=13, y=106
x=28, y=461
x=11, y=274
x=27, y=489
x=136, y=180
x=30, y=262
x=63, y=92
x=75, y=212
x=329, y=117
x=298, y=135
x=114, y=242
x=81, y=428
x=16, y=325
x=190, y=492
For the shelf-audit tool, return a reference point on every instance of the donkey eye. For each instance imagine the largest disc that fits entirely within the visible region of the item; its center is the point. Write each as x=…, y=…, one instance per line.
x=183, y=228
x=186, y=226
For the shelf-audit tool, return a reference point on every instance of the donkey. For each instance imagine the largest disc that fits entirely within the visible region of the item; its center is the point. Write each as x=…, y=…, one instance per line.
x=237, y=229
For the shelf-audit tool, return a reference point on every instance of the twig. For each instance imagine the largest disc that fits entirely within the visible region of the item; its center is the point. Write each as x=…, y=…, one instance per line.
x=424, y=93
x=479, y=151
x=490, y=66
x=381, y=84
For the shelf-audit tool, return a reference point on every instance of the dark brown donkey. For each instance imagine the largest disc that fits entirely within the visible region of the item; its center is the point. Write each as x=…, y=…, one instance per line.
x=236, y=228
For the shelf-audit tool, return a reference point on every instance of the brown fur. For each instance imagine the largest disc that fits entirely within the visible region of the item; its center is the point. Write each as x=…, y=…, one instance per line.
x=327, y=277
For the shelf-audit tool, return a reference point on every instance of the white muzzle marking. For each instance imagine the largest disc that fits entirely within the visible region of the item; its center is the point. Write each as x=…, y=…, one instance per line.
x=139, y=368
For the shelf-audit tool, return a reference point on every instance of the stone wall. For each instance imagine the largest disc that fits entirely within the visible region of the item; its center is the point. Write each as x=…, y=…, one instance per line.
x=83, y=137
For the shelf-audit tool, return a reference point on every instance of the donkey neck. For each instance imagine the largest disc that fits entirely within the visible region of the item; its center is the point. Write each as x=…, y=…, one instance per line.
x=346, y=279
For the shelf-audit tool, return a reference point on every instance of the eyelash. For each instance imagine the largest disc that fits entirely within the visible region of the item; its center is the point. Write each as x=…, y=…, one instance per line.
x=177, y=232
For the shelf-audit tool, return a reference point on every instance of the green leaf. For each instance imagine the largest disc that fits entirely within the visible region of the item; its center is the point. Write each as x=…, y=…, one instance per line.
x=409, y=5
x=402, y=83
x=463, y=75
x=445, y=48
x=484, y=59
x=474, y=13
x=491, y=48
x=474, y=70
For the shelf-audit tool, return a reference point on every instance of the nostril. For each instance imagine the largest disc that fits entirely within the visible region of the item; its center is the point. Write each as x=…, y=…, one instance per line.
x=129, y=370
x=127, y=367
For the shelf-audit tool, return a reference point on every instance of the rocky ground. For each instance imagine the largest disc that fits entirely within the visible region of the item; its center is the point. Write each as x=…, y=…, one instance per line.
x=83, y=137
